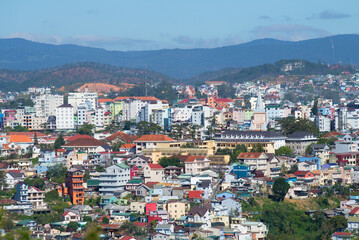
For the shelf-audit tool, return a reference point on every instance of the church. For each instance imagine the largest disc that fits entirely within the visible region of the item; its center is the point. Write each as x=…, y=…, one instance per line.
x=259, y=119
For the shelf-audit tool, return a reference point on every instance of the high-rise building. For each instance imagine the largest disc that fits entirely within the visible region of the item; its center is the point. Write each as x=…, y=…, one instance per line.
x=74, y=182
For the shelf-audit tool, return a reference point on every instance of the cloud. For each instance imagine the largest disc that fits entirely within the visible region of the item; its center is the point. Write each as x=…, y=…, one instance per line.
x=184, y=41
x=326, y=14
x=264, y=17
x=291, y=32
x=110, y=43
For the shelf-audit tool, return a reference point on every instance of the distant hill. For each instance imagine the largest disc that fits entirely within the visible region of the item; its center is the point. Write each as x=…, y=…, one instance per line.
x=20, y=54
x=75, y=75
x=96, y=76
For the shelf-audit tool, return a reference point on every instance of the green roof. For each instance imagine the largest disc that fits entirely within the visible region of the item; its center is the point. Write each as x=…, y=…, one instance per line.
x=122, y=165
x=135, y=181
x=122, y=214
x=353, y=219
x=24, y=222
x=93, y=182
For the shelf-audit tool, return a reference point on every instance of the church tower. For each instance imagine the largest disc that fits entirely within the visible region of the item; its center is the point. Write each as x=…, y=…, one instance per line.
x=259, y=121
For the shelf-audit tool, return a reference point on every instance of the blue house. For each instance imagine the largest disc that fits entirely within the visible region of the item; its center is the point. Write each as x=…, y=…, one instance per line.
x=22, y=192
x=107, y=199
x=313, y=159
x=47, y=156
x=240, y=170
x=225, y=195
x=43, y=167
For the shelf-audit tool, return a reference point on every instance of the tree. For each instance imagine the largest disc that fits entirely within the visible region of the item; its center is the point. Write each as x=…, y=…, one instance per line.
x=87, y=219
x=36, y=182
x=72, y=226
x=86, y=129
x=145, y=128
x=52, y=195
x=57, y=173
x=315, y=107
x=170, y=161
x=284, y=151
x=257, y=148
x=59, y=142
x=226, y=91
x=92, y=232
x=290, y=125
x=105, y=220
x=293, y=169
x=280, y=189
x=240, y=148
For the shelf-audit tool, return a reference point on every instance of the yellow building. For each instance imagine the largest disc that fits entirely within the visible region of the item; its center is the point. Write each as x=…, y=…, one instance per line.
x=138, y=207
x=176, y=209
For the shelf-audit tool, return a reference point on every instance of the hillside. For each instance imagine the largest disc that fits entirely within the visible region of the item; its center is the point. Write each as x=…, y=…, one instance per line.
x=20, y=54
x=77, y=75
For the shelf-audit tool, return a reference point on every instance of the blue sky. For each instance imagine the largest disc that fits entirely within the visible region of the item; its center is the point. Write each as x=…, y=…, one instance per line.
x=157, y=24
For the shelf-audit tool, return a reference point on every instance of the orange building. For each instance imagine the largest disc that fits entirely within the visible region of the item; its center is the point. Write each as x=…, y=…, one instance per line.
x=74, y=182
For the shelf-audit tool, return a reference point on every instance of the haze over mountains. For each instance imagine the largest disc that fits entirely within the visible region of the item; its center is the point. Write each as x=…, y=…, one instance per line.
x=20, y=54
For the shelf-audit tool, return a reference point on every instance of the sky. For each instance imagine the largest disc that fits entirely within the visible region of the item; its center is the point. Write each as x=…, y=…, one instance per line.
x=128, y=25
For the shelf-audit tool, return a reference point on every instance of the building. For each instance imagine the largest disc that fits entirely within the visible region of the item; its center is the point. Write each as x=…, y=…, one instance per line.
x=259, y=121
x=65, y=117
x=196, y=164
x=270, y=140
x=74, y=182
x=114, y=178
x=46, y=104
x=176, y=209
x=83, y=98
x=151, y=141
x=153, y=173
x=299, y=141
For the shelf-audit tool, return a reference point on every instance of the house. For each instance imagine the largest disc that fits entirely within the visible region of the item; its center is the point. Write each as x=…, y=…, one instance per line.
x=26, y=223
x=299, y=141
x=160, y=236
x=138, y=207
x=139, y=161
x=88, y=145
x=167, y=229
x=114, y=178
x=176, y=209
x=70, y=216
x=312, y=159
x=257, y=229
x=22, y=193
x=108, y=199
x=196, y=164
x=153, y=173
x=342, y=236
x=353, y=224
x=74, y=182
x=199, y=216
x=12, y=177
x=36, y=197
x=151, y=141
x=239, y=170
x=307, y=166
x=256, y=161
x=304, y=176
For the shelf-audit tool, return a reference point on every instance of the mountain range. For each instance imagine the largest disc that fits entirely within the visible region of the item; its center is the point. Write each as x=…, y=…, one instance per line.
x=20, y=54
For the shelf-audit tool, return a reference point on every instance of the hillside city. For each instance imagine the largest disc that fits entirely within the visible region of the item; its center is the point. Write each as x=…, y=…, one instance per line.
x=272, y=158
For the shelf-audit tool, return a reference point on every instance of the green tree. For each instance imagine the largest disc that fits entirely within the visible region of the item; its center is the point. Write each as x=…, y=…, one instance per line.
x=145, y=128
x=36, y=141
x=226, y=91
x=315, y=107
x=284, y=151
x=87, y=219
x=86, y=129
x=36, y=182
x=290, y=125
x=105, y=220
x=72, y=226
x=257, y=148
x=240, y=148
x=52, y=195
x=293, y=169
x=92, y=232
x=280, y=189
x=59, y=142
x=170, y=161
x=57, y=173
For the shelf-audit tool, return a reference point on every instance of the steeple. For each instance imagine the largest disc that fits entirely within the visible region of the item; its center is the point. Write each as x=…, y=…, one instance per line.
x=259, y=105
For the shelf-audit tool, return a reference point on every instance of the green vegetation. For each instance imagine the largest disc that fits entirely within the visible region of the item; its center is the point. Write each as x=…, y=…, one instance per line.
x=280, y=189
x=226, y=91
x=59, y=142
x=36, y=182
x=130, y=229
x=290, y=125
x=257, y=148
x=86, y=129
x=170, y=161
x=145, y=128
x=284, y=151
x=57, y=173
x=240, y=148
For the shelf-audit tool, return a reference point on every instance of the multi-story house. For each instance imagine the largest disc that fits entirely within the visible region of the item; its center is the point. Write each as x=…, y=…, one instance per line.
x=299, y=141
x=46, y=104
x=256, y=161
x=22, y=192
x=65, y=117
x=196, y=164
x=176, y=209
x=151, y=141
x=114, y=178
x=36, y=197
x=153, y=173
x=74, y=182
x=79, y=98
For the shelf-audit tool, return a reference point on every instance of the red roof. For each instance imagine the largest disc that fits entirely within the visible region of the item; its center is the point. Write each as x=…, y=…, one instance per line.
x=154, y=138
x=195, y=194
x=223, y=100
x=137, y=98
x=30, y=134
x=250, y=155
x=127, y=138
x=301, y=173
x=85, y=142
x=342, y=234
x=128, y=145
x=354, y=211
x=75, y=137
x=193, y=158
x=155, y=166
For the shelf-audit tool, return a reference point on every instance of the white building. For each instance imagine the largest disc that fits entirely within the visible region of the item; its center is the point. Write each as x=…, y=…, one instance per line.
x=89, y=98
x=147, y=110
x=65, y=117
x=114, y=179
x=46, y=105
x=323, y=123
